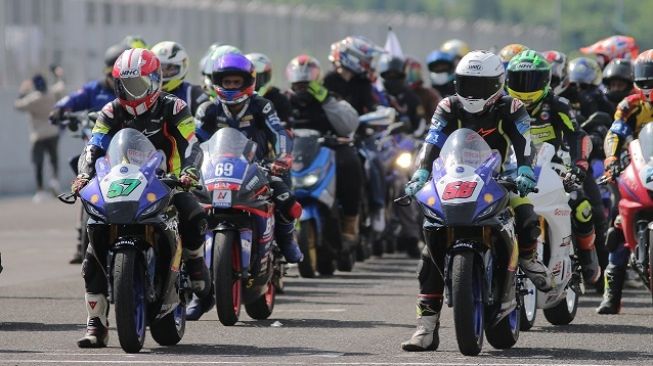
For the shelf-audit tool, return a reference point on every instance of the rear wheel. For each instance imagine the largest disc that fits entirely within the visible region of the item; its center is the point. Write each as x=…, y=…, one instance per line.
x=226, y=277
x=263, y=306
x=565, y=312
x=308, y=245
x=169, y=330
x=468, y=308
x=129, y=299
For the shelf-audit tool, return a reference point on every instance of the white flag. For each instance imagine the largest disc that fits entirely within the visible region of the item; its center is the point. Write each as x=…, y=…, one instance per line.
x=392, y=45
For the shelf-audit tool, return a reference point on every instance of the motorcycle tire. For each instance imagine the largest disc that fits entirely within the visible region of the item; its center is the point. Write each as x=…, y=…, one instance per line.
x=505, y=333
x=346, y=260
x=565, y=312
x=650, y=263
x=263, y=306
x=308, y=244
x=129, y=299
x=468, y=308
x=226, y=282
x=170, y=329
x=528, y=311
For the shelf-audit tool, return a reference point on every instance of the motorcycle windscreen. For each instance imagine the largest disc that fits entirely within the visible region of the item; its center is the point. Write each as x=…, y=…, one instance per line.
x=646, y=144
x=226, y=157
x=305, y=148
x=129, y=146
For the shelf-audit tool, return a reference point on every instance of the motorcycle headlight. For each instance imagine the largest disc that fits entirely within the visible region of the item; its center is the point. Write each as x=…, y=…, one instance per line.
x=306, y=181
x=156, y=206
x=488, y=210
x=404, y=160
x=93, y=211
x=431, y=214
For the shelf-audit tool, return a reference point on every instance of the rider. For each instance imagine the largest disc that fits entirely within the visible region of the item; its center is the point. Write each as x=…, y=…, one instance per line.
x=428, y=96
x=527, y=79
x=264, y=88
x=403, y=99
x=632, y=114
x=237, y=106
x=559, y=74
x=317, y=109
x=166, y=121
x=91, y=97
x=503, y=122
x=441, y=67
x=174, y=66
x=584, y=93
x=509, y=51
x=611, y=48
x=618, y=80
x=206, y=65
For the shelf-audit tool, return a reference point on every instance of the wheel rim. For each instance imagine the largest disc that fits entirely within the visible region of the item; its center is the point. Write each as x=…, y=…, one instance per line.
x=530, y=302
x=513, y=320
x=571, y=300
x=478, y=306
x=236, y=285
x=178, y=315
x=139, y=302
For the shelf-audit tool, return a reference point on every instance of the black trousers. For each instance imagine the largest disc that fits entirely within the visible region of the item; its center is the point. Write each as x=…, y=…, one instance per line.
x=39, y=149
x=349, y=179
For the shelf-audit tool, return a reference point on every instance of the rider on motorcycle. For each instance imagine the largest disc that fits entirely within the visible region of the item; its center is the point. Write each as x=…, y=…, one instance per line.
x=206, y=65
x=174, y=66
x=428, y=96
x=584, y=93
x=527, y=79
x=264, y=88
x=315, y=108
x=441, y=67
x=632, y=114
x=559, y=74
x=166, y=121
x=403, y=99
x=503, y=122
x=618, y=80
x=237, y=106
x=509, y=51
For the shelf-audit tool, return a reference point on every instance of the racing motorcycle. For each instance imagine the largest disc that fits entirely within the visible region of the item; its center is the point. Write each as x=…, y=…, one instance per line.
x=131, y=201
x=555, y=247
x=468, y=203
x=636, y=205
x=314, y=180
x=245, y=259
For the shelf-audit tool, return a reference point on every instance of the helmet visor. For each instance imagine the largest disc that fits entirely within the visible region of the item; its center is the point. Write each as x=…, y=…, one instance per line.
x=169, y=71
x=477, y=87
x=528, y=81
x=644, y=75
x=134, y=88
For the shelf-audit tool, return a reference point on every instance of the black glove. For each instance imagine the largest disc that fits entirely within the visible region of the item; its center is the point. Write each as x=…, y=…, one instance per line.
x=56, y=116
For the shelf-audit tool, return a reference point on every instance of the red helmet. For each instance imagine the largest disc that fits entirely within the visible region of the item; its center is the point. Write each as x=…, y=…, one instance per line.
x=137, y=75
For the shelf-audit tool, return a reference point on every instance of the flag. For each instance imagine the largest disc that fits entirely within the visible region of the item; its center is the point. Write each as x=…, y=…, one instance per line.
x=392, y=45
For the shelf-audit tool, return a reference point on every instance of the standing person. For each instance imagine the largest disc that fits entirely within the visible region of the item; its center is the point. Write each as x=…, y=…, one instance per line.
x=37, y=100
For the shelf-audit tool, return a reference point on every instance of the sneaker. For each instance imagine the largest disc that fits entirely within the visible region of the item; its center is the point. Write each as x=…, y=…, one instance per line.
x=200, y=278
x=97, y=335
x=537, y=272
x=426, y=336
x=40, y=196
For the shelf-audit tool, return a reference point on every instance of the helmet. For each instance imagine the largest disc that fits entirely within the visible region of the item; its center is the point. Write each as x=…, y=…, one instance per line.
x=233, y=64
x=643, y=70
x=528, y=76
x=413, y=70
x=509, y=51
x=441, y=67
x=303, y=68
x=216, y=54
x=137, y=75
x=174, y=63
x=584, y=70
x=612, y=47
x=455, y=47
x=389, y=64
x=263, y=67
x=479, y=80
x=355, y=53
x=132, y=41
x=111, y=55
x=559, y=76
x=618, y=69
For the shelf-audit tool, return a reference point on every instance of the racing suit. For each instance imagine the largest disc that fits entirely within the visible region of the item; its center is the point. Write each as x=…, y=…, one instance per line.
x=193, y=95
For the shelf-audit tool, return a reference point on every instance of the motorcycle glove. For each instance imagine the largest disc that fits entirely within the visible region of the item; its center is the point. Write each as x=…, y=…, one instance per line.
x=281, y=166
x=611, y=167
x=417, y=181
x=189, y=177
x=79, y=182
x=318, y=91
x=525, y=180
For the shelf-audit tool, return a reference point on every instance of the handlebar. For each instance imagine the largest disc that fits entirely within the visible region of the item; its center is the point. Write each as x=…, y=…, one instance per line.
x=68, y=198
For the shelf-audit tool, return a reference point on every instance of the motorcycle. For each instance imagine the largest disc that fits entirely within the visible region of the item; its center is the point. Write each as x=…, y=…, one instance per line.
x=636, y=205
x=147, y=281
x=245, y=259
x=314, y=178
x=555, y=247
x=467, y=203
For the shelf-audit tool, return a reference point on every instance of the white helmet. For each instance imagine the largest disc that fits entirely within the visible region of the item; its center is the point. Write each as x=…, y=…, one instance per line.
x=479, y=80
x=174, y=64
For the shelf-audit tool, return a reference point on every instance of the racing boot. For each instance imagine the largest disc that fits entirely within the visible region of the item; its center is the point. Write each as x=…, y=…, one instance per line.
x=614, y=283
x=198, y=307
x=426, y=336
x=589, y=261
x=97, y=324
x=350, y=228
x=284, y=231
x=200, y=278
x=536, y=271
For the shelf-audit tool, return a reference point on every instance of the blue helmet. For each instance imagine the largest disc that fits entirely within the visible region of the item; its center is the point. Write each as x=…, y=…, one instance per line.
x=585, y=70
x=439, y=76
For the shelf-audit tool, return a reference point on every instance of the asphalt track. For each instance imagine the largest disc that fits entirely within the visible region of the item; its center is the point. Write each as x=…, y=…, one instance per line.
x=356, y=318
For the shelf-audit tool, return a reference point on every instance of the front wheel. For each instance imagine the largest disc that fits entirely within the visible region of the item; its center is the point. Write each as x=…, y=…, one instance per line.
x=129, y=299
x=170, y=329
x=226, y=277
x=263, y=306
x=468, y=308
x=565, y=312
x=505, y=334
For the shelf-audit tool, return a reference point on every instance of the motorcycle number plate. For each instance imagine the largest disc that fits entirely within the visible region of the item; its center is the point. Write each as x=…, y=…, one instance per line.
x=222, y=198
